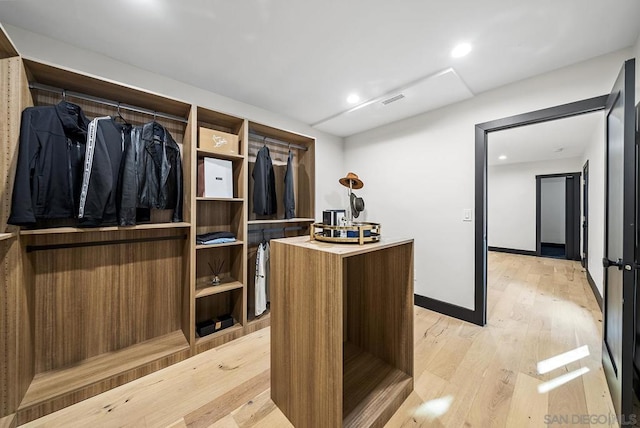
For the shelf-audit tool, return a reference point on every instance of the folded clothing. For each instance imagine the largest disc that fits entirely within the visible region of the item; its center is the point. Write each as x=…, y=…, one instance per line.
x=218, y=237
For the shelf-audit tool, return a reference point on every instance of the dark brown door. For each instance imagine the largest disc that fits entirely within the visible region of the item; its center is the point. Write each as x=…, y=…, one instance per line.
x=620, y=245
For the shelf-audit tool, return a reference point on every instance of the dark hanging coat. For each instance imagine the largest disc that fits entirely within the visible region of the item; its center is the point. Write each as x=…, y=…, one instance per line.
x=264, y=189
x=289, y=195
x=50, y=164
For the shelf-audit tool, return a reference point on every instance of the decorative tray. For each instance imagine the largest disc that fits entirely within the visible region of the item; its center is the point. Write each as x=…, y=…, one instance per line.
x=357, y=233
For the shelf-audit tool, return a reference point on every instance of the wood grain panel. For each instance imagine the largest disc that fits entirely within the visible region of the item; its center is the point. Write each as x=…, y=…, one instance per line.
x=306, y=352
x=16, y=289
x=373, y=390
x=219, y=216
x=98, y=299
x=380, y=304
x=14, y=97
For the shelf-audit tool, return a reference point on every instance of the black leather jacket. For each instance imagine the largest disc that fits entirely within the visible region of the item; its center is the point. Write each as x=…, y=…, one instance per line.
x=50, y=164
x=151, y=173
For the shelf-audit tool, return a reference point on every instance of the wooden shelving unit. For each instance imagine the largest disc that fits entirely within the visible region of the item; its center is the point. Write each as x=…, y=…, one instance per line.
x=92, y=308
x=222, y=214
x=260, y=228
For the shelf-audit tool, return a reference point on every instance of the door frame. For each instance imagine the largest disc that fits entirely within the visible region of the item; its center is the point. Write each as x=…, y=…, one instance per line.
x=482, y=131
x=585, y=217
x=571, y=209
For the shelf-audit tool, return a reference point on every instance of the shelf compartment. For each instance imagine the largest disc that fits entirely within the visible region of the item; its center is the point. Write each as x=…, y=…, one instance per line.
x=65, y=230
x=205, y=288
x=220, y=216
x=372, y=389
x=210, y=246
x=55, y=389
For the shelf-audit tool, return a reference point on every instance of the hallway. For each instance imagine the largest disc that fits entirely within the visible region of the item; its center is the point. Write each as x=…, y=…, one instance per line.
x=465, y=375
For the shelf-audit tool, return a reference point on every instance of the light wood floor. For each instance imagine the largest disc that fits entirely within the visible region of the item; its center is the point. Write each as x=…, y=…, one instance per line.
x=466, y=376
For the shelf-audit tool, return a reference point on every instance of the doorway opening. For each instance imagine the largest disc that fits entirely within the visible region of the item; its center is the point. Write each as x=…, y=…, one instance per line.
x=481, y=172
x=558, y=215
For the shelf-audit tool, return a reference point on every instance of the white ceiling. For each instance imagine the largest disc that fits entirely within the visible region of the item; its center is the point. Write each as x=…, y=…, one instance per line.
x=302, y=58
x=556, y=139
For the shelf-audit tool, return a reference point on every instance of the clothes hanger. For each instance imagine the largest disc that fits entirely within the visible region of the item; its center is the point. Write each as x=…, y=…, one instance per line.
x=118, y=115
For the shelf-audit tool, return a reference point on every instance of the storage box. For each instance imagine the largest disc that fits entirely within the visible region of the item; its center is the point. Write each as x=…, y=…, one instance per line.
x=215, y=178
x=218, y=141
x=211, y=326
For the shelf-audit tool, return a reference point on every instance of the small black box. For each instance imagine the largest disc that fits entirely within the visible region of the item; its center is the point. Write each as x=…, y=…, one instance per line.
x=211, y=326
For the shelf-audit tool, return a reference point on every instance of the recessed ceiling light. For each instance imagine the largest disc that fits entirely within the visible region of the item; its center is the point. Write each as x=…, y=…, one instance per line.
x=461, y=50
x=502, y=157
x=353, y=98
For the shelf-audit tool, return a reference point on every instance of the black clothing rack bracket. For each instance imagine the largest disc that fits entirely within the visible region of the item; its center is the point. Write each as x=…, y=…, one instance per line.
x=32, y=248
x=65, y=93
x=257, y=138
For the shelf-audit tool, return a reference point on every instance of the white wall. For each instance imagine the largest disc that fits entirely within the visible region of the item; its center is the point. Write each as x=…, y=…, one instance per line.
x=552, y=210
x=329, y=149
x=595, y=246
x=419, y=172
x=511, y=200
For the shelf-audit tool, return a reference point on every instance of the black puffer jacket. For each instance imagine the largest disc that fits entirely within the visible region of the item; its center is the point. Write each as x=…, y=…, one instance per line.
x=151, y=173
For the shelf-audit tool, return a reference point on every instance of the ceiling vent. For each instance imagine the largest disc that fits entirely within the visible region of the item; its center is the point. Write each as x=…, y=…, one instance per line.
x=393, y=99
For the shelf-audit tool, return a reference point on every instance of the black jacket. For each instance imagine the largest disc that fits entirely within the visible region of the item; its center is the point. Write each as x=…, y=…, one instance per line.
x=151, y=174
x=100, y=194
x=264, y=189
x=289, y=193
x=50, y=164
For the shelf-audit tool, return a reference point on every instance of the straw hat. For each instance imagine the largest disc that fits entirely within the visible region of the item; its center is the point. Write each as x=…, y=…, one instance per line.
x=356, y=183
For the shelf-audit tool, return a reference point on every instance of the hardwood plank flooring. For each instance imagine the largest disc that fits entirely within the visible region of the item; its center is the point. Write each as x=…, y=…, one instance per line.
x=465, y=375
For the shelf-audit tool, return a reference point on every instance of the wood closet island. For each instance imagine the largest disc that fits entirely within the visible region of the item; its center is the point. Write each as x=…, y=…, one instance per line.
x=341, y=330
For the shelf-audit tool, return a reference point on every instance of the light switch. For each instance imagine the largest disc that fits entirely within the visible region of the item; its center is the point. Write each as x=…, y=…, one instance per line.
x=466, y=215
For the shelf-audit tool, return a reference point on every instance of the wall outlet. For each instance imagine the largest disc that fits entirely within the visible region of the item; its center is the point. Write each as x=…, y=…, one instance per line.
x=467, y=214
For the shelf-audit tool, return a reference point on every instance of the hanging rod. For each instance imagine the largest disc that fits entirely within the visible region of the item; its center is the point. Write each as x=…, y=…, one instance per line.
x=104, y=101
x=262, y=139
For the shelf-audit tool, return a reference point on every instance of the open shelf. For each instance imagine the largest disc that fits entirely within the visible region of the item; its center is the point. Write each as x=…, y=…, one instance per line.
x=226, y=244
x=102, y=369
x=208, y=153
x=204, y=288
x=64, y=230
x=369, y=385
x=203, y=198
x=283, y=220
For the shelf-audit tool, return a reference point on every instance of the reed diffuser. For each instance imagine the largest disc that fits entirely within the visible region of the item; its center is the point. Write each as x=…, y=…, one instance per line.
x=216, y=269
